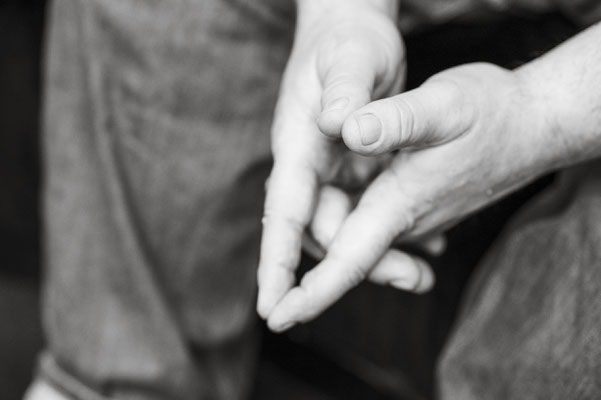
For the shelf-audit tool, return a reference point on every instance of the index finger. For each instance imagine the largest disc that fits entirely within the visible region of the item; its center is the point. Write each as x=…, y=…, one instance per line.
x=361, y=242
x=289, y=205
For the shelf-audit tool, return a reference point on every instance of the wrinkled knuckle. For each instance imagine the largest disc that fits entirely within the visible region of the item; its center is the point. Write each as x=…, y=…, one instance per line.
x=404, y=126
x=345, y=84
x=272, y=216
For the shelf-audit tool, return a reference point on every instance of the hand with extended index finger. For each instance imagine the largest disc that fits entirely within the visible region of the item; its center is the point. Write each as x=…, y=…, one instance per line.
x=346, y=53
x=466, y=138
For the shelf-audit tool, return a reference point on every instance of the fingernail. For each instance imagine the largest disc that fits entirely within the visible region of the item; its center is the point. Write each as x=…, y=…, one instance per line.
x=285, y=327
x=336, y=104
x=370, y=128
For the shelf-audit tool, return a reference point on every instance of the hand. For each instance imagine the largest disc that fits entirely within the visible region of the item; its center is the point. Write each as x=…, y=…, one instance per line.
x=467, y=137
x=346, y=53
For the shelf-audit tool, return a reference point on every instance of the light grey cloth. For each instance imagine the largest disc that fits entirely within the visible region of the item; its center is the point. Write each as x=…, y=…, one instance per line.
x=423, y=14
x=156, y=141
x=531, y=323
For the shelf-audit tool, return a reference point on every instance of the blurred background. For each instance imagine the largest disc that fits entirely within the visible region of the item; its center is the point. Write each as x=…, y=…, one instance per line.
x=377, y=343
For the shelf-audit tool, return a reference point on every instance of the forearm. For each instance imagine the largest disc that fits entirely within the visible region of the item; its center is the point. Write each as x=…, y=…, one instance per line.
x=565, y=88
x=389, y=7
x=350, y=11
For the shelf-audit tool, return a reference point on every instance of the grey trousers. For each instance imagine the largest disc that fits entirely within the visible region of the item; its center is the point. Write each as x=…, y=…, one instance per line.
x=530, y=327
x=157, y=118
x=156, y=140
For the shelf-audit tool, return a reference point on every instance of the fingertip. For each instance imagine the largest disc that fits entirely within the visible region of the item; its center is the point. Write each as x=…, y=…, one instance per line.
x=269, y=299
x=288, y=311
x=427, y=281
x=403, y=271
x=263, y=307
x=421, y=281
x=279, y=328
x=330, y=123
x=273, y=285
x=362, y=133
x=339, y=100
x=332, y=116
x=264, y=303
x=436, y=246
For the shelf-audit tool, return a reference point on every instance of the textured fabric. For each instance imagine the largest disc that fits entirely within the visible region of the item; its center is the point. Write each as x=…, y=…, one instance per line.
x=531, y=325
x=421, y=14
x=156, y=141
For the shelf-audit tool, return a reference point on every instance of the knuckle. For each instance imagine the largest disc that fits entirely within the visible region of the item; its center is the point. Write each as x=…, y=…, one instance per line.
x=463, y=100
x=404, y=110
x=456, y=92
x=273, y=217
x=405, y=219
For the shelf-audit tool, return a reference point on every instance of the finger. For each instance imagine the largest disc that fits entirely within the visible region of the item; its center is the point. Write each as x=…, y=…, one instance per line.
x=332, y=208
x=435, y=113
x=397, y=269
x=288, y=207
x=359, y=245
x=403, y=271
x=347, y=87
x=432, y=245
x=358, y=60
x=359, y=171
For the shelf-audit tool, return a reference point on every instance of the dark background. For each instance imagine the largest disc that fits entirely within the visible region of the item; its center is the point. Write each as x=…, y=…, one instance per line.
x=377, y=343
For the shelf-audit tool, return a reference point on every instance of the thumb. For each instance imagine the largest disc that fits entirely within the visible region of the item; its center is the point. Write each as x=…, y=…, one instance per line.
x=353, y=73
x=435, y=113
x=347, y=86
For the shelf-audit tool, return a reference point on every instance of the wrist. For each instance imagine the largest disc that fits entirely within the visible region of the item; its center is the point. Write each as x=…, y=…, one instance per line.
x=319, y=7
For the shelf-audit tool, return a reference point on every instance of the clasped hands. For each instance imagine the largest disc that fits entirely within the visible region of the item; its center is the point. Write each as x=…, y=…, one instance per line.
x=424, y=159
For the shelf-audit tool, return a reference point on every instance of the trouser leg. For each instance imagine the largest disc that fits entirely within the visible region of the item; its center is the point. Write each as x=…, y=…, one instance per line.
x=156, y=142
x=531, y=321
